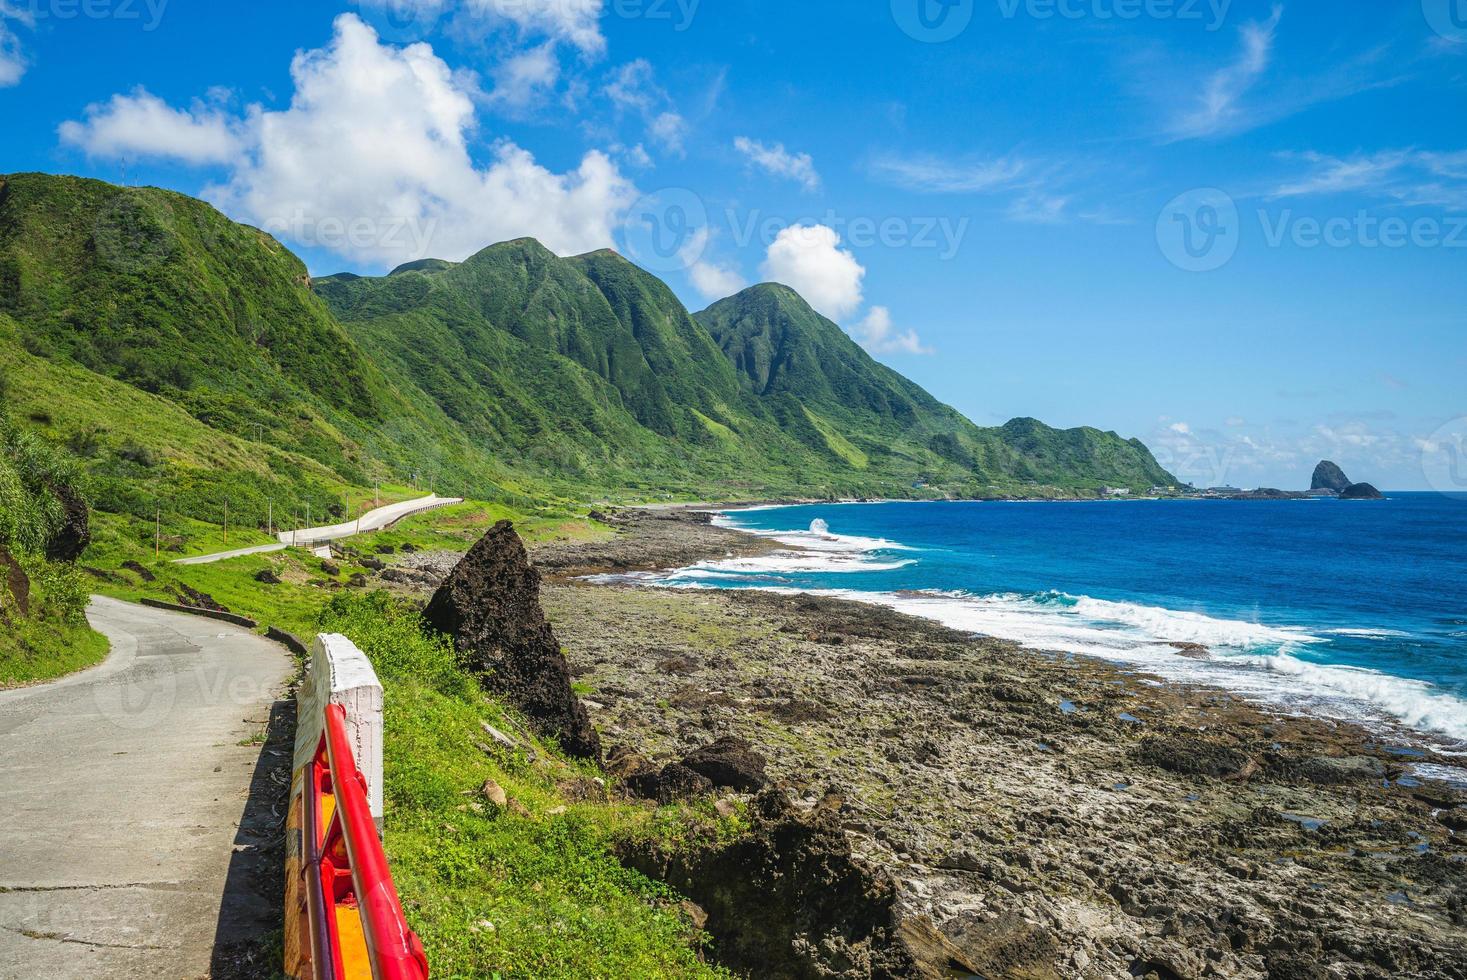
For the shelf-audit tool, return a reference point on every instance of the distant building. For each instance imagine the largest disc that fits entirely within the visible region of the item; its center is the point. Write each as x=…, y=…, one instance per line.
x=1116, y=491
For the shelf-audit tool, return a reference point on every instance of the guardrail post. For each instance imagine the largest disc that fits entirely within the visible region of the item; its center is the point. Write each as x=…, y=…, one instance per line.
x=340, y=674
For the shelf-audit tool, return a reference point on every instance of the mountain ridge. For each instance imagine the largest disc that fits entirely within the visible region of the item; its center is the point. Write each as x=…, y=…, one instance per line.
x=515, y=371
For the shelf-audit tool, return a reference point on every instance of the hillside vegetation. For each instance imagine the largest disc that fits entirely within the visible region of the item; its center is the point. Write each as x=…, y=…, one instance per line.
x=193, y=366
x=43, y=529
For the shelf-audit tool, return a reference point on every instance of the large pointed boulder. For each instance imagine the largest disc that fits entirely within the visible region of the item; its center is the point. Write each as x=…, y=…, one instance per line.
x=490, y=606
x=1329, y=476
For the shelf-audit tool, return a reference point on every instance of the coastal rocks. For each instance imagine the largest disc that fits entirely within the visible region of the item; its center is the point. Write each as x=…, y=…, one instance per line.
x=789, y=900
x=490, y=606
x=729, y=763
x=1361, y=491
x=1194, y=757
x=1328, y=476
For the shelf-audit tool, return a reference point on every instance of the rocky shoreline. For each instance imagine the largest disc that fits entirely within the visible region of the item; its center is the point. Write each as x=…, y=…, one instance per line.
x=1054, y=816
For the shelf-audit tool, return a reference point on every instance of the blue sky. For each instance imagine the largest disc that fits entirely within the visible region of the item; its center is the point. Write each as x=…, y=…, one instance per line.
x=1235, y=230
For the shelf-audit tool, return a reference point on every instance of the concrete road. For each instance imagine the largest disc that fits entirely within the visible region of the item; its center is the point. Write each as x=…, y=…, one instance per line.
x=123, y=801
x=312, y=537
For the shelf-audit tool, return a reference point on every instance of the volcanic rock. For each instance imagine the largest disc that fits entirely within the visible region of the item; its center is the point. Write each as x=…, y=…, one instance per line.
x=790, y=900
x=16, y=582
x=1328, y=476
x=490, y=606
x=1361, y=491
x=75, y=533
x=730, y=762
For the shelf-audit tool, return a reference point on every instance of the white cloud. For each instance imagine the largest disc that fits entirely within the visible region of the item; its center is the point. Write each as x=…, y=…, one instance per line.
x=520, y=80
x=1181, y=428
x=143, y=125
x=936, y=175
x=1410, y=177
x=809, y=259
x=13, y=63
x=633, y=88
x=1218, y=109
x=877, y=334
x=371, y=161
x=799, y=167
x=714, y=280
x=575, y=22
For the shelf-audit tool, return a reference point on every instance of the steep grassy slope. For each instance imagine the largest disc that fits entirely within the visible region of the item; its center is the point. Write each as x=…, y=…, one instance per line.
x=585, y=370
x=829, y=391
x=43, y=598
x=162, y=293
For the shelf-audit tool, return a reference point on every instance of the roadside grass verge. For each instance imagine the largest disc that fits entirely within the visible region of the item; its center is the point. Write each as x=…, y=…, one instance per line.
x=53, y=638
x=527, y=890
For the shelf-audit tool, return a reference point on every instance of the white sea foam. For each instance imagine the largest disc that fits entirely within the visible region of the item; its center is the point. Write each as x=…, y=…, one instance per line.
x=1260, y=661
x=1453, y=776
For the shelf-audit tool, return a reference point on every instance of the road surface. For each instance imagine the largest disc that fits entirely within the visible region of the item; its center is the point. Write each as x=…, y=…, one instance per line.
x=312, y=537
x=126, y=815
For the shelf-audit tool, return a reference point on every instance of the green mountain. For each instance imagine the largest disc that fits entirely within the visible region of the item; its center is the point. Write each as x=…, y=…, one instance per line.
x=190, y=361
x=829, y=392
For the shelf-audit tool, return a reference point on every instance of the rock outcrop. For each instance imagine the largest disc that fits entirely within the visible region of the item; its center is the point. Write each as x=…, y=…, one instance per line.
x=490, y=606
x=75, y=532
x=1328, y=476
x=1361, y=491
x=789, y=900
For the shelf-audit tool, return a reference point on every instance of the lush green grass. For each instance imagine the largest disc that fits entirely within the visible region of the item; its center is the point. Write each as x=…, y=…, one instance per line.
x=530, y=891
x=53, y=640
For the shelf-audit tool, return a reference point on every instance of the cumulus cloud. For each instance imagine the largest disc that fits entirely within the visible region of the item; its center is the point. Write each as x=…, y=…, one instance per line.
x=575, y=22
x=878, y=335
x=633, y=89
x=809, y=259
x=12, y=60
x=520, y=80
x=715, y=280
x=143, y=125
x=776, y=160
x=371, y=161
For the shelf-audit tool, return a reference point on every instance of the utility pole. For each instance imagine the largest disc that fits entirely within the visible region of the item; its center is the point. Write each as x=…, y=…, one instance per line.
x=270, y=518
x=158, y=534
x=226, y=522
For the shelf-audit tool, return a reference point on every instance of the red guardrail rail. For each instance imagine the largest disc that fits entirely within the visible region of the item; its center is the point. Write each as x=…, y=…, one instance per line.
x=354, y=921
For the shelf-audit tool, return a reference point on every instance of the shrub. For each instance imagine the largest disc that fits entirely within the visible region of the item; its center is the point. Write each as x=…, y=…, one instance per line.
x=391, y=633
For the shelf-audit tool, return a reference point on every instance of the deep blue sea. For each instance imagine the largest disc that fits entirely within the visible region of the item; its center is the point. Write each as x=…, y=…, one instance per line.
x=1351, y=610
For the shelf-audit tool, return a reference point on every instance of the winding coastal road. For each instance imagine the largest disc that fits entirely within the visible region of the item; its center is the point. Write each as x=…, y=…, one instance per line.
x=312, y=537
x=126, y=817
